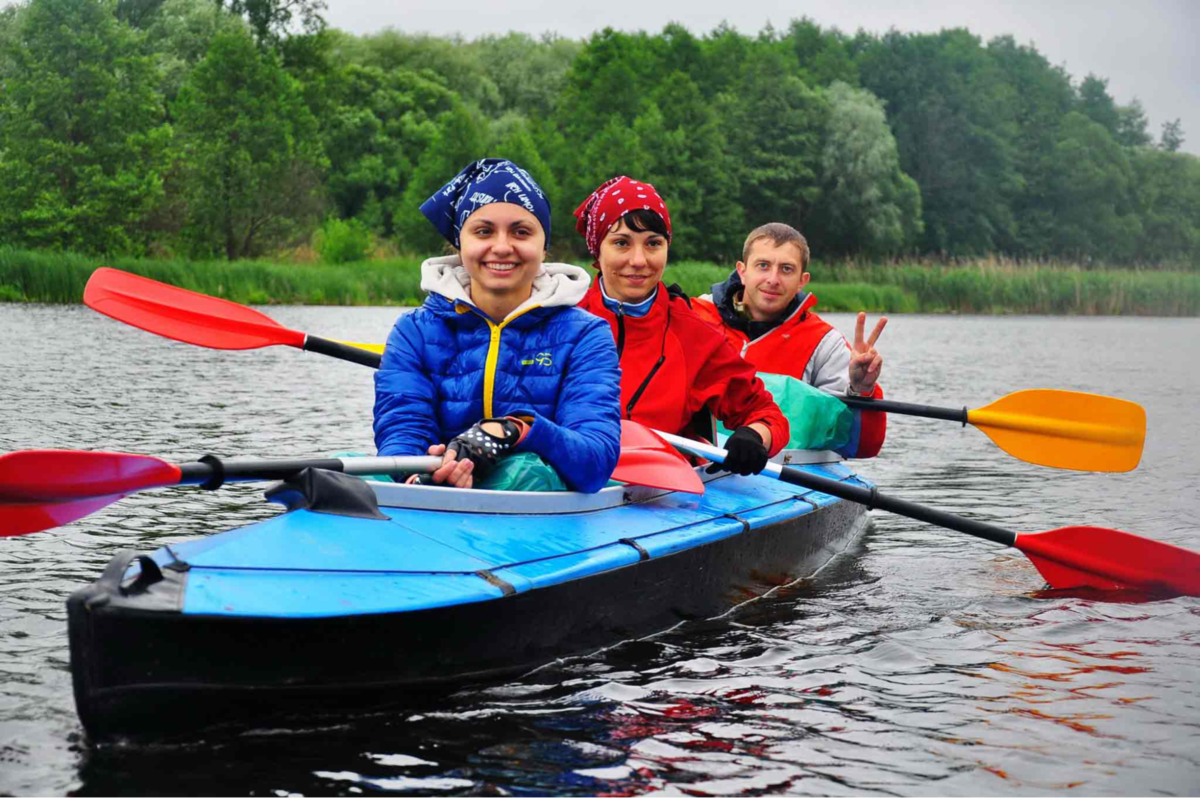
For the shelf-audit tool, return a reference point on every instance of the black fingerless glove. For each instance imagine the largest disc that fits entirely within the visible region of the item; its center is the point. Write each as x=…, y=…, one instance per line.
x=483, y=448
x=745, y=453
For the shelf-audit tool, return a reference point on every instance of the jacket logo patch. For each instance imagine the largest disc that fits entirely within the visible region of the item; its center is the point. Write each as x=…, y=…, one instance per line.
x=540, y=359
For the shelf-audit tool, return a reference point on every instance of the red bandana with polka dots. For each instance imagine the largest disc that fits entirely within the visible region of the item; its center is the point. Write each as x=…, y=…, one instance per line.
x=610, y=202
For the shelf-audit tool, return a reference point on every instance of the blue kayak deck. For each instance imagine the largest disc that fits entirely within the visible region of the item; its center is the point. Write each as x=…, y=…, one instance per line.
x=307, y=564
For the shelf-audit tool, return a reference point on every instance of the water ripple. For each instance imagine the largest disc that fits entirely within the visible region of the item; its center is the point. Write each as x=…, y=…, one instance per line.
x=923, y=662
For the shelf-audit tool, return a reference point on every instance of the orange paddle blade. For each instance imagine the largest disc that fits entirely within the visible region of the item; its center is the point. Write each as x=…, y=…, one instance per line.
x=1066, y=429
x=183, y=315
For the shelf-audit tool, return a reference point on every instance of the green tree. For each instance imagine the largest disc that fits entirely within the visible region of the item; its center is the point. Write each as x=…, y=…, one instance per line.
x=725, y=53
x=1172, y=136
x=1097, y=105
x=1041, y=95
x=452, y=62
x=688, y=161
x=375, y=127
x=1167, y=186
x=516, y=143
x=528, y=74
x=608, y=80
x=458, y=140
x=179, y=33
x=272, y=21
x=868, y=204
x=1132, y=126
x=952, y=113
x=773, y=122
x=822, y=55
x=82, y=134
x=1092, y=204
x=137, y=13
x=250, y=154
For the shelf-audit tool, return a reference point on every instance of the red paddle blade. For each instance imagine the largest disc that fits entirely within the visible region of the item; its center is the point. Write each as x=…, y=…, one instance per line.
x=1108, y=559
x=647, y=459
x=21, y=519
x=183, y=315
x=49, y=475
x=48, y=488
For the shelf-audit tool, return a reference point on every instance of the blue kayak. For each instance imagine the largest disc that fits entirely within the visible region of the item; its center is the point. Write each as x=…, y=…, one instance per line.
x=339, y=604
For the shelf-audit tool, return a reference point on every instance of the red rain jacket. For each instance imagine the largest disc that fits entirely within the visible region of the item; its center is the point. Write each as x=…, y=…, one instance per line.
x=673, y=363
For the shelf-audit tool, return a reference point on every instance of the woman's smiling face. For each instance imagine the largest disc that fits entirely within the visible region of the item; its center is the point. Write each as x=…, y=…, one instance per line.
x=502, y=246
x=631, y=262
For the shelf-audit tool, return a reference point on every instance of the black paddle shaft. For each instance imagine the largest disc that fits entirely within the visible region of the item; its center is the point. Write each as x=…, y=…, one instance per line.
x=905, y=409
x=211, y=472
x=324, y=346
x=872, y=498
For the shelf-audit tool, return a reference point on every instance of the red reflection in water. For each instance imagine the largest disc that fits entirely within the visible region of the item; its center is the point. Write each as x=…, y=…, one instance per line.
x=1072, y=722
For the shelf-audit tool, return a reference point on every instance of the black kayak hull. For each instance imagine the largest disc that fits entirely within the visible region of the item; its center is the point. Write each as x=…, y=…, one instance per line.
x=141, y=666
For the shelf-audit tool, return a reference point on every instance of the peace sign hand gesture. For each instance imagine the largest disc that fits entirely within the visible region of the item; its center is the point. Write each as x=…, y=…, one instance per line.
x=865, y=362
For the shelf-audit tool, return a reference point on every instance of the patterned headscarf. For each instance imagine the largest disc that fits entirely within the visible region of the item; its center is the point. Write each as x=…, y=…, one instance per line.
x=482, y=183
x=610, y=202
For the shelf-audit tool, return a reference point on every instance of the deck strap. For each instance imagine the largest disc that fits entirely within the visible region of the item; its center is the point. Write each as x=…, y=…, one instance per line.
x=642, y=553
x=807, y=500
x=745, y=524
x=176, y=563
x=495, y=581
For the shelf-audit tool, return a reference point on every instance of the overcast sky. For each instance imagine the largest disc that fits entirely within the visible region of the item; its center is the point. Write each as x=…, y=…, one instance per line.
x=1149, y=49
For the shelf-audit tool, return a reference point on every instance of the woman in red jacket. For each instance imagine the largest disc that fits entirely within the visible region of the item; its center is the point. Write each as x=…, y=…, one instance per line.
x=673, y=363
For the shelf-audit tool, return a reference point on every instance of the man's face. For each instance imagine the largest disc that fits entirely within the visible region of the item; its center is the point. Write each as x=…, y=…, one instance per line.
x=772, y=276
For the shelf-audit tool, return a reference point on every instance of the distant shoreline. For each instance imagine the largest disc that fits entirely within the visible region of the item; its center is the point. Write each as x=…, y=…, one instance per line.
x=984, y=286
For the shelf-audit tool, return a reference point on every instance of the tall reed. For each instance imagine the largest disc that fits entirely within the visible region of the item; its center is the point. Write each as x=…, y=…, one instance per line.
x=986, y=286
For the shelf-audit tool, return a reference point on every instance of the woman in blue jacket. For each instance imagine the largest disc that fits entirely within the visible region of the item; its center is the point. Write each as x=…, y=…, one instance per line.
x=498, y=358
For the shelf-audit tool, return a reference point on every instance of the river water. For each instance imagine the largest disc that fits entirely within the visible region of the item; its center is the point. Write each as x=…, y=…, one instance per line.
x=923, y=662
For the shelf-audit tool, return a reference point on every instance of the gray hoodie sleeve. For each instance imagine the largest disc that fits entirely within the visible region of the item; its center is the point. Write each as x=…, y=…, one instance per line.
x=829, y=366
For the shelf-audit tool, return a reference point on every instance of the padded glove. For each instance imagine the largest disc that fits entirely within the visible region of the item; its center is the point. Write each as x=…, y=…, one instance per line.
x=745, y=453
x=484, y=449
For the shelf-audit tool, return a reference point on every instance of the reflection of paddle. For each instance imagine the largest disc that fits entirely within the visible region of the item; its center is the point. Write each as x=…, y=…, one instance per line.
x=1071, y=557
x=1060, y=429
x=44, y=489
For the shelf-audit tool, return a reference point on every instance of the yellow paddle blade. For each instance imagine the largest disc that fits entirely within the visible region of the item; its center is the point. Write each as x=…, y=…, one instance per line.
x=1066, y=429
x=376, y=348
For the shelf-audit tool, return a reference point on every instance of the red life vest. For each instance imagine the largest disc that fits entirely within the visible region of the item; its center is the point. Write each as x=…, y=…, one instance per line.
x=786, y=350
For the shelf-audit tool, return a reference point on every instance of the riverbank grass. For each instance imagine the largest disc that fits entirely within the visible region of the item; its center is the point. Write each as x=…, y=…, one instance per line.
x=986, y=286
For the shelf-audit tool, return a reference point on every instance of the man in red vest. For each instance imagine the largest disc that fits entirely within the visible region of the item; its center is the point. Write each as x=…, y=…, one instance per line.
x=767, y=315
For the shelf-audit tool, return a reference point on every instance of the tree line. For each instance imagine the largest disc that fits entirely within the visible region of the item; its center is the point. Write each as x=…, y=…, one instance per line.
x=235, y=128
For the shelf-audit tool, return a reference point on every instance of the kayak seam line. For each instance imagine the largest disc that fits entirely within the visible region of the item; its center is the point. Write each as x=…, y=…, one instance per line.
x=324, y=570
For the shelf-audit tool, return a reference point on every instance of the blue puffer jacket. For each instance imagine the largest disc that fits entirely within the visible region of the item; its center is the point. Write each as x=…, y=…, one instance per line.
x=447, y=365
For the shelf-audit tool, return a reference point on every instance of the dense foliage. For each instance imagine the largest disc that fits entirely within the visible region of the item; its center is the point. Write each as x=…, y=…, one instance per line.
x=236, y=128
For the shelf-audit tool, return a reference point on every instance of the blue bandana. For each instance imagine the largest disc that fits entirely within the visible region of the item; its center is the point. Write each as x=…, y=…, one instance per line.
x=482, y=183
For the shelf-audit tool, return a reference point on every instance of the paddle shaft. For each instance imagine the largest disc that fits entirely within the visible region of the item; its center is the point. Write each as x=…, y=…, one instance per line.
x=211, y=472
x=870, y=497
x=324, y=346
x=905, y=408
